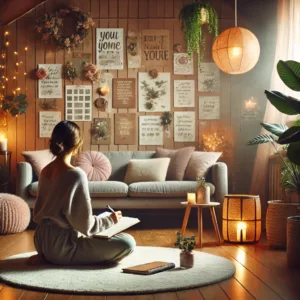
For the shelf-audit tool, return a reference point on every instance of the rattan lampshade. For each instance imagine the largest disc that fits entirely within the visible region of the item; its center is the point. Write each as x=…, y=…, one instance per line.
x=241, y=218
x=236, y=50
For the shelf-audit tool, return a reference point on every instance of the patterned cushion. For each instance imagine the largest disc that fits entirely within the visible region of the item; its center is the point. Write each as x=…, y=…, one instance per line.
x=95, y=164
x=199, y=163
x=38, y=159
x=141, y=170
x=179, y=161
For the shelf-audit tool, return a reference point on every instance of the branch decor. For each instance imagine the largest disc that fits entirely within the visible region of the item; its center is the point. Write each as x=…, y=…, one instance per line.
x=193, y=17
x=166, y=120
x=70, y=72
x=51, y=26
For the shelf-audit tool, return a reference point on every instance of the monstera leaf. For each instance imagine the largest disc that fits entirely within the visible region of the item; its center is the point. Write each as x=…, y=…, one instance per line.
x=15, y=105
x=289, y=72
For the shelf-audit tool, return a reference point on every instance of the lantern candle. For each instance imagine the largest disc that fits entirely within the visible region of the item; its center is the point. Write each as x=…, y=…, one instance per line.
x=241, y=232
x=250, y=105
x=191, y=198
x=3, y=143
x=104, y=90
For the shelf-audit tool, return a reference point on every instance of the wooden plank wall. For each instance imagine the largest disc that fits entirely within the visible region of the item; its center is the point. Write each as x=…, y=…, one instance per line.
x=23, y=132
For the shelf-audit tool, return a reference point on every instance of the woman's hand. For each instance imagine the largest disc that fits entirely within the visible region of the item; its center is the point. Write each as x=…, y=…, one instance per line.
x=116, y=216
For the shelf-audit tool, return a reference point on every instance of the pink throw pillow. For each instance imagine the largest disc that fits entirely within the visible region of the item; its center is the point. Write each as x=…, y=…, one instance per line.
x=199, y=163
x=38, y=159
x=95, y=164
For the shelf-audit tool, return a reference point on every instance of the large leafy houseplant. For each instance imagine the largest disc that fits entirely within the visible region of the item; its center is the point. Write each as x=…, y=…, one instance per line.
x=192, y=17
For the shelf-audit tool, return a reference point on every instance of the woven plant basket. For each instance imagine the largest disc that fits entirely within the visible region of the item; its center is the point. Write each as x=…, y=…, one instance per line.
x=276, y=221
x=293, y=242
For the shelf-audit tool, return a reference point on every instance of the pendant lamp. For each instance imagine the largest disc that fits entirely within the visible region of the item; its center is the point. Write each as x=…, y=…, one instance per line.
x=236, y=50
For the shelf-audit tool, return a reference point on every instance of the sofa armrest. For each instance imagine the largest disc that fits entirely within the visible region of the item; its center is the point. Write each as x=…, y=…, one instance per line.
x=24, y=179
x=219, y=178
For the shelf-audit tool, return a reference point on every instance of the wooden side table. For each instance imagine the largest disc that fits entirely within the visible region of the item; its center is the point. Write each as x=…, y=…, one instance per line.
x=211, y=207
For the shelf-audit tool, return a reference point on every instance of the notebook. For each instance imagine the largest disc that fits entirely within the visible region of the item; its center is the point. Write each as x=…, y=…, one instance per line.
x=123, y=224
x=150, y=268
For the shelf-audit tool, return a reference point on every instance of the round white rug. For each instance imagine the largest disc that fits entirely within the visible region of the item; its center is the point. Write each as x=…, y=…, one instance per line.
x=97, y=279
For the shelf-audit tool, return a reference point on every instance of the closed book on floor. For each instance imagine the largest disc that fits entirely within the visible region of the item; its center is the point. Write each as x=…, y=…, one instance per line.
x=150, y=268
x=123, y=224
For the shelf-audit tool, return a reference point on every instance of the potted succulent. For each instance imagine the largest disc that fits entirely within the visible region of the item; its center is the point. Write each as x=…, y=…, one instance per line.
x=192, y=17
x=279, y=210
x=186, y=245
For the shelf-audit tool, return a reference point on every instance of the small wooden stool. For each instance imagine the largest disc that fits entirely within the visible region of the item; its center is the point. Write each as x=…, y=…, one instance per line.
x=211, y=206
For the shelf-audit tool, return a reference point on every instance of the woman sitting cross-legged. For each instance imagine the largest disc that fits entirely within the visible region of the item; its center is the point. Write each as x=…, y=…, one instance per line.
x=63, y=211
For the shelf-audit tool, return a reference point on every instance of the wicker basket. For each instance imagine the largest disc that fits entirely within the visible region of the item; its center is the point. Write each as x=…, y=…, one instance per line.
x=276, y=221
x=293, y=242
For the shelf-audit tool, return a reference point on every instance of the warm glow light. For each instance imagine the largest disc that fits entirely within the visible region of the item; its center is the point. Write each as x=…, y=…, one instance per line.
x=241, y=233
x=26, y=48
x=6, y=44
x=6, y=33
x=3, y=143
x=18, y=89
x=236, y=50
x=17, y=64
x=25, y=73
x=191, y=198
x=15, y=77
x=241, y=225
x=15, y=53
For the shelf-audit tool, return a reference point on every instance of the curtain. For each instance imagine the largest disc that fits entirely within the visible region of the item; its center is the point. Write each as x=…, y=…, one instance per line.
x=287, y=48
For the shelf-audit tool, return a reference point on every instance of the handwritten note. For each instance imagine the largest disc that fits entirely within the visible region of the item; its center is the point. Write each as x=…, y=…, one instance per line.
x=124, y=93
x=155, y=48
x=184, y=126
x=48, y=120
x=209, y=108
x=109, y=48
x=184, y=93
x=51, y=86
x=183, y=64
x=150, y=130
x=125, y=129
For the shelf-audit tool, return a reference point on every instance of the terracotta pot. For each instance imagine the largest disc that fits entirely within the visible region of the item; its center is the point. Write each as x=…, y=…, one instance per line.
x=293, y=242
x=186, y=259
x=276, y=221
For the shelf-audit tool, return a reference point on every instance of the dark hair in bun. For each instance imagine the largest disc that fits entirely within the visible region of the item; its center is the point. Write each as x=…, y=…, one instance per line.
x=66, y=138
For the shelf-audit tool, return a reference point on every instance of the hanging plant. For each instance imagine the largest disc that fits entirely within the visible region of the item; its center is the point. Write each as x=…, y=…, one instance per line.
x=70, y=72
x=15, y=105
x=193, y=17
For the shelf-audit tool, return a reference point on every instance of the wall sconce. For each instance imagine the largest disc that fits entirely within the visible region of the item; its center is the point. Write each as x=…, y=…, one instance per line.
x=241, y=219
x=250, y=108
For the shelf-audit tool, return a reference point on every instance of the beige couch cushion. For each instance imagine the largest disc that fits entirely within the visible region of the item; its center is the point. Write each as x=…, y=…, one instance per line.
x=165, y=189
x=141, y=170
x=99, y=189
x=199, y=163
x=179, y=161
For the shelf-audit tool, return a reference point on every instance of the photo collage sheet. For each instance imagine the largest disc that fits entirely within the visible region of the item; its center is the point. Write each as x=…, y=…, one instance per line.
x=149, y=92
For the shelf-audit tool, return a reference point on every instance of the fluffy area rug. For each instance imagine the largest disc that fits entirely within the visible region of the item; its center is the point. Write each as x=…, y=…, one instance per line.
x=97, y=279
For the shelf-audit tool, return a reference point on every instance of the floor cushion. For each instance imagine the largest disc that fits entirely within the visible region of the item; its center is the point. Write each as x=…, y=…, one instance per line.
x=14, y=214
x=165, y=189
x=98, y=189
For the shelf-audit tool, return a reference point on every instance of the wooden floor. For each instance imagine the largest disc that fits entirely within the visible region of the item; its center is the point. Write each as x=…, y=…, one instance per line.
x=261, y=273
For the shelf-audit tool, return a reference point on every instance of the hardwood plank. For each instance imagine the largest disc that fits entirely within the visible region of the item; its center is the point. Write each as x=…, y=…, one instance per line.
x=8, y=240
x=113, y=8
x=166, y=296
x=189, y=294
x=143, y=9
x=33, y=295
x=58, y=297
x=235, y=290
x=92, y=297
x=9, y=293
x=133, y=9
x=256, y=287
x=281, y=285
x=213, y=291
x=130, y=297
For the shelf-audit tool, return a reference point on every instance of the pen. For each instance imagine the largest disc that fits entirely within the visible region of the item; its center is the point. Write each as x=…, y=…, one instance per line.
x=110, y=208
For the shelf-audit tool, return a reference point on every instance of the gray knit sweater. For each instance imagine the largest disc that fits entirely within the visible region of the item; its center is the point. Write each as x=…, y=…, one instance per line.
x=65, y=199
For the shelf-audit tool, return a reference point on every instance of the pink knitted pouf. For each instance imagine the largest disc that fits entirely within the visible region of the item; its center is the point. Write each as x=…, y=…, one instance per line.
x=14, y=214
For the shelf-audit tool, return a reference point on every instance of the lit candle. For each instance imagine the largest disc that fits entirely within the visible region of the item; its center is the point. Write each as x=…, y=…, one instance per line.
x=3, y=143
x=241, y=232
x=250, y=105
x=191, y=198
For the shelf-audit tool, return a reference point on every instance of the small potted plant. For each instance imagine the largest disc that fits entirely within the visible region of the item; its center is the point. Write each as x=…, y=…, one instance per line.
x=186, y=245
x=203, y=191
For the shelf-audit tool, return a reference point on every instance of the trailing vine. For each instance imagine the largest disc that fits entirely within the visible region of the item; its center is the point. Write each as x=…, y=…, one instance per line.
x=193, y=17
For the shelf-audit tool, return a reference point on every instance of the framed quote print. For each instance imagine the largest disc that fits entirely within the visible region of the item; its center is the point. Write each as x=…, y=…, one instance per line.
x=125, y=129
x=124, y=93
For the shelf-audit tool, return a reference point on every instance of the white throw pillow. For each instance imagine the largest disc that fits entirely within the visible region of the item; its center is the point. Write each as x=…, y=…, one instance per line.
x=141, y=170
